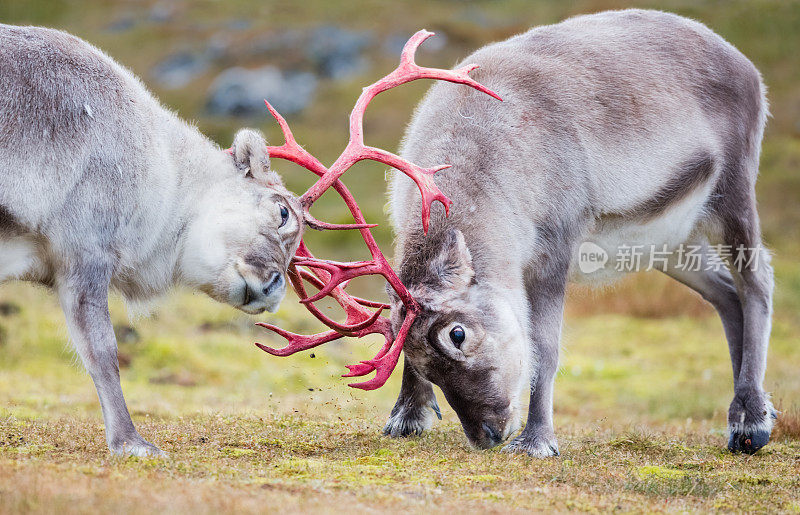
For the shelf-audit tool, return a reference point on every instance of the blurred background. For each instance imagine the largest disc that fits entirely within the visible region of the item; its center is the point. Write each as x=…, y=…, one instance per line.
x=647, y=350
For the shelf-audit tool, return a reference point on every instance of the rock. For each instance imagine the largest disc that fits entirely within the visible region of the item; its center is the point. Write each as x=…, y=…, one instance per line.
x=337, y=53
x=179, y=69
x=329, y=51
x=241, y=92
x=163, y=12
x=394, y=43
x=122, y=24
x=218, y=47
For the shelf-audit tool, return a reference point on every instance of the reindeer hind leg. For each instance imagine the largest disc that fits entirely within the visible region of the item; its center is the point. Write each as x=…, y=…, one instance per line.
x=751, y=415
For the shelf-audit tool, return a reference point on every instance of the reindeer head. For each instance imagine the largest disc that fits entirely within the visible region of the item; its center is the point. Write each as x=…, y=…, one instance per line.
x=467, y=338
x=330, y=277
x=247, y=229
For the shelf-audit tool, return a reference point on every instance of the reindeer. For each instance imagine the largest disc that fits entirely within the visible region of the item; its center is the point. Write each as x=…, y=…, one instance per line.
x=101, y=187
x=620, y=128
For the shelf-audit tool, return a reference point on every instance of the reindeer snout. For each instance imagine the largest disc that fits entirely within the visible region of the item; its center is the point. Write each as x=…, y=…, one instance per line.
x=261, y=293
x=274, y=283
x=490, y=428
x=494, y=436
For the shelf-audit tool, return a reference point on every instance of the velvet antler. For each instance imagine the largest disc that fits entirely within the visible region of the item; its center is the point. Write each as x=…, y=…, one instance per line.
x=363, y=317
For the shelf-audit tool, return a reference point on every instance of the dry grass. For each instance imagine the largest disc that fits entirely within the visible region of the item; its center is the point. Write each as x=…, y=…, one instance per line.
x=641, y=422
x=656, y=297
x=252, y=464
x=787, y=426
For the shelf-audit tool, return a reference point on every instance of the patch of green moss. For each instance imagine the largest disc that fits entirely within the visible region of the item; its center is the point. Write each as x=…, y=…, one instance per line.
x=656, y=472
x=237, y=452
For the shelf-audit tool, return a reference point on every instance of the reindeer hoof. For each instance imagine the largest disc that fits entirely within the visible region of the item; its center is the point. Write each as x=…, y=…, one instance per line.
x=136, y=446
x=748, y=442
x=756, y=418
x=409, y=422
x=536, y=446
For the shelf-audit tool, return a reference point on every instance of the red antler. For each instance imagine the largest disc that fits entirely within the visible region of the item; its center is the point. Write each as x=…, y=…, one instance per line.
x=330, y=277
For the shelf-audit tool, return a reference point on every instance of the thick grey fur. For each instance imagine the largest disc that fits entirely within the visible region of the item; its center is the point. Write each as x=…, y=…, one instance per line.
x=627, y=126
x=101, y=187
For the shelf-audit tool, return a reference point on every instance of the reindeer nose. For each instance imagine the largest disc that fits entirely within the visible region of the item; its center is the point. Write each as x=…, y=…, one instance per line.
x=274, y=282
x=492, y=433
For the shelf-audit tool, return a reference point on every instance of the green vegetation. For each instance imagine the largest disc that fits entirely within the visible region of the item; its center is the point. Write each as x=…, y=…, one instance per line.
x=645, y=378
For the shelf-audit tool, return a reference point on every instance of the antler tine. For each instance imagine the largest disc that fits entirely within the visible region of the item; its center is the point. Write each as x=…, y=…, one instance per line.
x=290, y=150
x=297, y=342
x=330, y=277
x=358, y=317
x=293, y=152
x=356, y=151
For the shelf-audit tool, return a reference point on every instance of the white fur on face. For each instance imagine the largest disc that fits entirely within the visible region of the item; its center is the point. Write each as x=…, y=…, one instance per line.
x=232, y=223
x=508, y=350
x=496, y=340
x=511, y=353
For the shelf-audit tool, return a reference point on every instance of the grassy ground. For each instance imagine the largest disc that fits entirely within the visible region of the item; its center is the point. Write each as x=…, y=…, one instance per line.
x=641, y=422
x=640, y=399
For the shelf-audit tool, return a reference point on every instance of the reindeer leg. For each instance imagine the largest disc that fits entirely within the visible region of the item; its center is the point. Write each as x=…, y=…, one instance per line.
x=546, y=299
x=718, y=288
x=751, y=415
x=413, y=412
x=84, y=298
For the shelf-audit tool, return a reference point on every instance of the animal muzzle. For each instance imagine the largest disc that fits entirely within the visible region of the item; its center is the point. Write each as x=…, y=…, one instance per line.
x=489, y=433
x=265, y=294
x=488, y=427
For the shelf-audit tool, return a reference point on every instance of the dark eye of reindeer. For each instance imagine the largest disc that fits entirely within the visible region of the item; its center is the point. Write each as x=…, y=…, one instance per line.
x=457, y=336
x=284, y=216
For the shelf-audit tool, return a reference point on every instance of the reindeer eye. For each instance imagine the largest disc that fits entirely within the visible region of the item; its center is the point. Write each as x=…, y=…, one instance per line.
x=284, y=216
x=457, y=336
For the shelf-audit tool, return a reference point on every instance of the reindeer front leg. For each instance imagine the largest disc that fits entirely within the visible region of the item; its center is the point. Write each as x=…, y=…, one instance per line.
x=84, y=298
x=413, y=412
x=546, y=299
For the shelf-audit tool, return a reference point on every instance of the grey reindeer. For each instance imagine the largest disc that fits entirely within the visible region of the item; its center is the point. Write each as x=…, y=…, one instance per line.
x=633, y=127
x=101, y=187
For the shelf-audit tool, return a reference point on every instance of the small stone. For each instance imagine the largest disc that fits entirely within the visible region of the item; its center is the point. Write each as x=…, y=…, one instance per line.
x=126, y=334
x=241, y=92
x=122, y=24
x=337, y=53
x=178, y=70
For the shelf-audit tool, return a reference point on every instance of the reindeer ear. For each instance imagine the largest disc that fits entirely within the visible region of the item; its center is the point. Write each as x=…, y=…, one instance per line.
x=453, y=265
x=251, y=158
